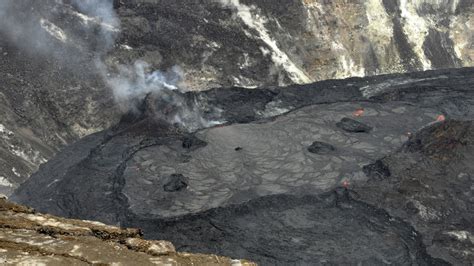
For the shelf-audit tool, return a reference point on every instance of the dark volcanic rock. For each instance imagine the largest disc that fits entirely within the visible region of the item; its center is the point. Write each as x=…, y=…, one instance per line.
x=353, y=126
x=307, y=230
x=441, y=140
x=431, y=187
x=192, y=143
x=50, y=84
x=377, y=170
x=319, y=147
x=175, y=182
x=416, y=207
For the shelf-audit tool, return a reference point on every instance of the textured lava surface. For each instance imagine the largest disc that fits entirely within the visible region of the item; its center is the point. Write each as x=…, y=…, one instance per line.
x=51, y=93
x=398, y=193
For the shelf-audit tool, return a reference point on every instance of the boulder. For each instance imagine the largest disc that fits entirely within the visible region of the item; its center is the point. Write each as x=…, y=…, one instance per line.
x=175, y=183
x=319, y=147
x=353, y=126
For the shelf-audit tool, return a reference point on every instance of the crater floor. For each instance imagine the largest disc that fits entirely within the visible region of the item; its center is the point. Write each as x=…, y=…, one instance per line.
x=371, y=170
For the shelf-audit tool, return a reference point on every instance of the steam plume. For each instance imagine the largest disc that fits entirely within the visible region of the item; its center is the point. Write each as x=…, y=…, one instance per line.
x=36, y=27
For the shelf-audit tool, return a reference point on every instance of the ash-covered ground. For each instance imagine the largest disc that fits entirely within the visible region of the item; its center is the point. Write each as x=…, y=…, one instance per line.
x=365, y=170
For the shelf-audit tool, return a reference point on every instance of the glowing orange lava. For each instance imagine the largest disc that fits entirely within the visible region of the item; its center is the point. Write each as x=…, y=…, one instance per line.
x=440, y=118
x=358, y=112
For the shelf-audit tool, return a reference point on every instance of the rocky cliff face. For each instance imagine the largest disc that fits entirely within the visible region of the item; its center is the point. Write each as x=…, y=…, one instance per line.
x=31, y=238
x=254, y=43
x=53, y=92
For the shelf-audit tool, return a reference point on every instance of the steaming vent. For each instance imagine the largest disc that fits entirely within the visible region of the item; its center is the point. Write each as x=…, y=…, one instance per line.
x=160, y=96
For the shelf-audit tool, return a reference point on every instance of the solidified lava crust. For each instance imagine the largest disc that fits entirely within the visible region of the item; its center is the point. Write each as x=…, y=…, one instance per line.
x=399, y=193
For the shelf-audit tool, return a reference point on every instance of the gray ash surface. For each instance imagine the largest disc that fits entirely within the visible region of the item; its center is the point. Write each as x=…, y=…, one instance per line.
x=409, y=179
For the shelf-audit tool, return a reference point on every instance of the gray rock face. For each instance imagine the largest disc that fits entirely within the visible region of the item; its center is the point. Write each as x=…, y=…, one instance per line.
x=236, y=201
x=52, y=92
x=31, y=238
x=255, y=43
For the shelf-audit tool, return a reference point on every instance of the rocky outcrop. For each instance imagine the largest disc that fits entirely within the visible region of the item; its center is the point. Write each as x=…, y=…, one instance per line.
x=319, y=147
x=353, y=126
x=31, y=238
x=255, y=43
x=431, y=187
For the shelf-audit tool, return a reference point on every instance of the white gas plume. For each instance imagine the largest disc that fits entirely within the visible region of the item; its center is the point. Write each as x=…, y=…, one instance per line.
x=40, y=28
x=137, y=80
x=132, y=84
